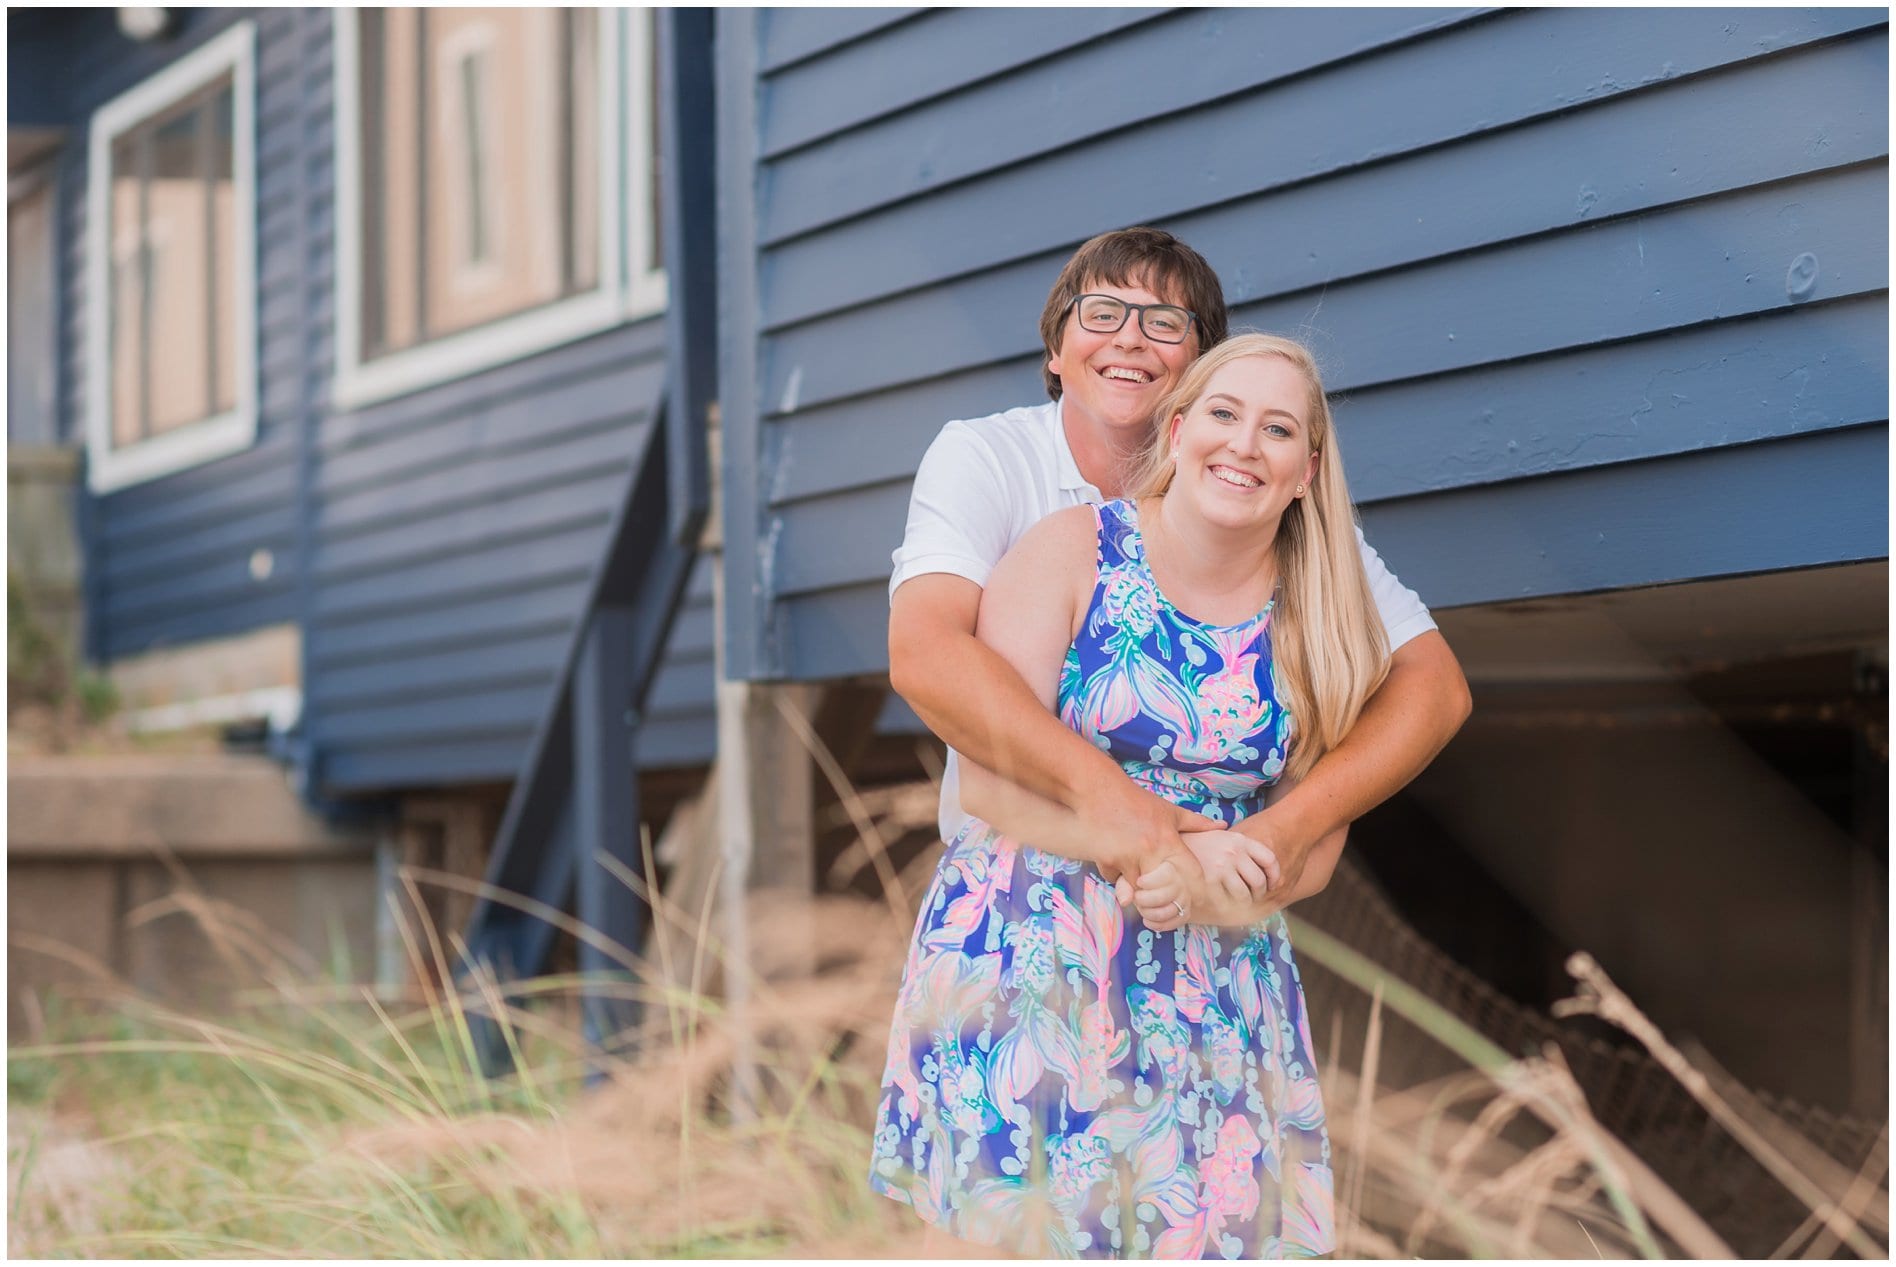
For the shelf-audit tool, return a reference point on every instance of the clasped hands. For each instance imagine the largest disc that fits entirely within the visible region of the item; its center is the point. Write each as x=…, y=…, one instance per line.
x=1232, y=873
x=1217, y=878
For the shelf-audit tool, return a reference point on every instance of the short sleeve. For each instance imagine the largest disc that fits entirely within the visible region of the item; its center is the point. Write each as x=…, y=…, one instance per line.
x=959, y=520
x=1403, y=614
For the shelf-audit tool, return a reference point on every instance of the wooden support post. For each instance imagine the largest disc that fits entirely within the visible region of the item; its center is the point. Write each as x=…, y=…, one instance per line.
x=736, y=848
x=605, y=804
x=687, y=849
x=391, y=961
x=444, y=833
x=1869, y=893
x=766, y=838
x=767, y=844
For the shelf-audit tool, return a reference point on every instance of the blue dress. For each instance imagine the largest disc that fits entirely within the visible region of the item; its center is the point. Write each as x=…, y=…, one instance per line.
x=1061, y=1080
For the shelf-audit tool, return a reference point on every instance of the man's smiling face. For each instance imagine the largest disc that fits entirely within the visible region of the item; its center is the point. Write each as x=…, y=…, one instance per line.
x=1111, y=384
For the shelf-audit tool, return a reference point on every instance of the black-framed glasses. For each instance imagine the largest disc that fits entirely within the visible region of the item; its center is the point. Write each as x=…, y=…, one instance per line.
x=1161, y=323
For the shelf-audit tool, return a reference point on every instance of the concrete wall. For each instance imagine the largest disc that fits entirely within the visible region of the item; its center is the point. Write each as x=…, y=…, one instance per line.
x=181, y=878
x=42, y=540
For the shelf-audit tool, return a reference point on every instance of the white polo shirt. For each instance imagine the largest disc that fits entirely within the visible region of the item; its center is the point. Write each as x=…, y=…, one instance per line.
x=985, y=481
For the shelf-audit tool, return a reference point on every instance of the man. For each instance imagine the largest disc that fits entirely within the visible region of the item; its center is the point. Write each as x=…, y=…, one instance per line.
x=985, y=481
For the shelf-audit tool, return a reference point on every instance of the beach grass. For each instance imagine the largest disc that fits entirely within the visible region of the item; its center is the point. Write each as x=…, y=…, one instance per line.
x=319, y=1119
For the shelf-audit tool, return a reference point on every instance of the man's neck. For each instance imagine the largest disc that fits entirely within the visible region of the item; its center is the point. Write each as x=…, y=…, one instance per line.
x=1096, y=451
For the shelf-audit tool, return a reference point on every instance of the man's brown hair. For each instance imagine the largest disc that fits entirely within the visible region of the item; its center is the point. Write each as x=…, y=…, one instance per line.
x=1144, y=257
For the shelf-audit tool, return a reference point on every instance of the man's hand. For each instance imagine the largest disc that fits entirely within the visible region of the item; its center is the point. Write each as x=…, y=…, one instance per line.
x=1410, y=718
x=1144, y=829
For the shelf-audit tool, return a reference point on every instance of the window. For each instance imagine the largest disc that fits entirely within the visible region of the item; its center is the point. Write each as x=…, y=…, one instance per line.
x=486, y=205
x=31, y=308
x=170, y=294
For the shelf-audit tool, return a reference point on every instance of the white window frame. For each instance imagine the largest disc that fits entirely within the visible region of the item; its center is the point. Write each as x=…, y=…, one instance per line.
x=626, y=291
x=111, y=467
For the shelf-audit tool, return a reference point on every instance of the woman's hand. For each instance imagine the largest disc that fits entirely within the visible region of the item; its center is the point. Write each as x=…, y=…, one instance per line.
x=1244, y=869
x=1237, y=872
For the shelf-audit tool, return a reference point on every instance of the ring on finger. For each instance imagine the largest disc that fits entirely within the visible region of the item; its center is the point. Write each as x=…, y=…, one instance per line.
x=1181, y=909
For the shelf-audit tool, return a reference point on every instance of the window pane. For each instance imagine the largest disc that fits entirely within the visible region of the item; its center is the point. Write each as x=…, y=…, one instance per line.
x=582, y=148
x=391, y=152
x=221, y=173
x=30, y=314
x=475, y=88
x=655, y=258
x=171, y=258
x=178, y=286
x=125, y=325
x=480, y=167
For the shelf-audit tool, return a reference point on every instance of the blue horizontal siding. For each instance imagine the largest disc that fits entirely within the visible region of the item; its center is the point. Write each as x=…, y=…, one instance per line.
x=1788, y=373
x=937, y=52
x=436, y=676
x=1721, y=512
x=457, y=533
x=1708, y=261
x=436, y=672
x=837, y=633
x=236, y=611
x=227, y=584
x=466, y=713
x=158, y=560
x=1046, y=110
x=1824, y=365
x=1813, y=369
x=790, y=35
x=570, y=461
x=483, y=759
x=555, y=557
x=487, y=429
x=1806, y=501
x=1534, y=65
x=193, y=501
x=525, y=610
x=1529, y=246
x=871, y=439
x=1672, y=267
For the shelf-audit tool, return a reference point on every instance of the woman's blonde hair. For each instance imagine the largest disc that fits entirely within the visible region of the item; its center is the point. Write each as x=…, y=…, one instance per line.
x=1329, y=647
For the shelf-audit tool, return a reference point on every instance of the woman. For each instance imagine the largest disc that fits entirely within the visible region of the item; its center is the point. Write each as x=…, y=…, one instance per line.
x=1069, y=1078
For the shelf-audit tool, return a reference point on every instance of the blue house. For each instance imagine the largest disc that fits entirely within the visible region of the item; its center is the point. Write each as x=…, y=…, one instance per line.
x=1603, y=296
x=393, y=340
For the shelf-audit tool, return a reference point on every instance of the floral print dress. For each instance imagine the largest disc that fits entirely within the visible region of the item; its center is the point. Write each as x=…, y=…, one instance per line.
x=1064, y=1082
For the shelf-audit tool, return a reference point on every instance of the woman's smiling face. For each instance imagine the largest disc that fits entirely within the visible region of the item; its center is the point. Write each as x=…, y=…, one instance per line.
x=1243, y=448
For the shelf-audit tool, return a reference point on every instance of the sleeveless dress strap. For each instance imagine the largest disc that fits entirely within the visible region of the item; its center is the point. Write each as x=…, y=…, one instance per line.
x=1115, y=528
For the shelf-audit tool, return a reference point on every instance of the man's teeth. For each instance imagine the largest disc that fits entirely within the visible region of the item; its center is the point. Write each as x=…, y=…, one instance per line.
x=1131, y=376
x=1237, y=478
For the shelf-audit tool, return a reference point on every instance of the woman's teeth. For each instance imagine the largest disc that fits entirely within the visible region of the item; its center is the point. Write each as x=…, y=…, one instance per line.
x=1237, y=479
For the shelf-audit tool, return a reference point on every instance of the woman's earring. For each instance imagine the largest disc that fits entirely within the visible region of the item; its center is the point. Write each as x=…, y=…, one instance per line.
x=1300, y=490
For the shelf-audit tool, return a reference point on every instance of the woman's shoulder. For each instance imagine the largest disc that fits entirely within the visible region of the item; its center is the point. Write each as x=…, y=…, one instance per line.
x=1063, y=543
x=1070, y=534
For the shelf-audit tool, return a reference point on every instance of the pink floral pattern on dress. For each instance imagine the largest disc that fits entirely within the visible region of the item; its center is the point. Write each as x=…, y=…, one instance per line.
x=1063, y=1082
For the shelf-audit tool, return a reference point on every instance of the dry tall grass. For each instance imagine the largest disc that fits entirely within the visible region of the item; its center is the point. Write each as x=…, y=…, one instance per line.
x=323, y=1120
